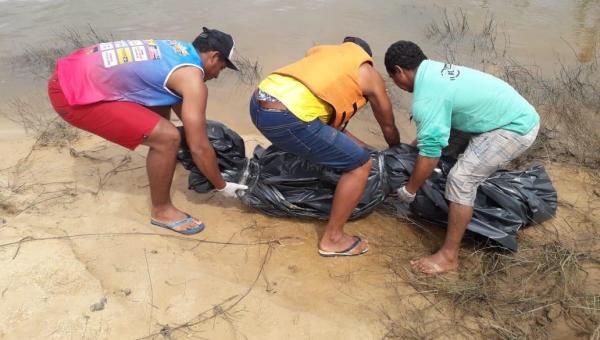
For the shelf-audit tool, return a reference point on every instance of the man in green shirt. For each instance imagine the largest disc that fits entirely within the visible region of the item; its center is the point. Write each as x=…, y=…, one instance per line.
x=449, y=103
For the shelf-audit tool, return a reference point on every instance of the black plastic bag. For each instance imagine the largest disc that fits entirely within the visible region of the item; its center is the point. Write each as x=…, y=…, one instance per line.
x=505, y=202
x=231, y=156
x=282, y=184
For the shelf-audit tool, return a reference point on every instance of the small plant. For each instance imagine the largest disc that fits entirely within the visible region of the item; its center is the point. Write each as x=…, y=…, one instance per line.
x=250, y=72
x=568, y=100
x=508, y=295
x=49, y=128
x=40, y=60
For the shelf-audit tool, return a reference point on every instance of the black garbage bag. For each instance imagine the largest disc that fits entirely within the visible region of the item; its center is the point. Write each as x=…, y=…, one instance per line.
x=505, y=202
x=231, y=156
x=282, y=184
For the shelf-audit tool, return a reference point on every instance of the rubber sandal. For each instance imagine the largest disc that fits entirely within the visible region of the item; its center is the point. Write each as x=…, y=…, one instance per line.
x=176, y=224
x=346, y=252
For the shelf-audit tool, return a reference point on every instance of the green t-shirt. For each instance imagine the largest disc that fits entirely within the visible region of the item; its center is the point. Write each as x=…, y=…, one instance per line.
x=449, y=96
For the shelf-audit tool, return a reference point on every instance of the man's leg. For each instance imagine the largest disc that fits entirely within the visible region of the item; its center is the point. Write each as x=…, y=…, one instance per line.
x=335, y=149
x=327, y=146
x=485, y=154
x=348, y=192
x=160, y=165
x=459, y=216
x=446, y=259
x=461, y=189
x=129, y=124
x=323, y=145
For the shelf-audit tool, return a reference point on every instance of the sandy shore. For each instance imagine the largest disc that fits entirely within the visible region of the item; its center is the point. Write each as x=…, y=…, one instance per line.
x=90, y=266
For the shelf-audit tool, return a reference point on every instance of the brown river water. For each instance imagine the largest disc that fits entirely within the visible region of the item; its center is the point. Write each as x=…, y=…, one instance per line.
x=275, y=33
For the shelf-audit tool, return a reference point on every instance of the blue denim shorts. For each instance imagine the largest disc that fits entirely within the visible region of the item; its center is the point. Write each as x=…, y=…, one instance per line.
x=314, y=141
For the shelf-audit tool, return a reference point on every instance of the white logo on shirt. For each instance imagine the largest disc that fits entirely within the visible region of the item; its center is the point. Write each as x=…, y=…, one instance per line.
x=121, y=44
x=139, y=53
x=109, y=58
x=450, y=71
x=135, y=42
x=106, y=46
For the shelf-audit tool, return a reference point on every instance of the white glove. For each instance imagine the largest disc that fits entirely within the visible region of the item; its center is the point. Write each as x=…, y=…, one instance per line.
x=404, y=196
x=230, y=189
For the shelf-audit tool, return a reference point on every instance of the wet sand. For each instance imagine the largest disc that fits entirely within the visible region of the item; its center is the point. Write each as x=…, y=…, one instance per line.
x=246, y=276
x=49, y=285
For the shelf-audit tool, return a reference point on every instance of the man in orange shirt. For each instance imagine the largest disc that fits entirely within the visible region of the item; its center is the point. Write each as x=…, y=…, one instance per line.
x=304, y=108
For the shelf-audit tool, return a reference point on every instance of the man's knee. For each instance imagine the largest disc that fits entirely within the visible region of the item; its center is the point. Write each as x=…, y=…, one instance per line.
x=455, y=179
x=164, y=136
x=461, y=187
x=367, y=165
x=364, y=169
x=172, y=138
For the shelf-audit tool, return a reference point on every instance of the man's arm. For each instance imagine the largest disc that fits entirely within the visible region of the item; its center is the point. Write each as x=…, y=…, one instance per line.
x=433, y=119
x=423, y=168
x=373, y=88
x=188, y=81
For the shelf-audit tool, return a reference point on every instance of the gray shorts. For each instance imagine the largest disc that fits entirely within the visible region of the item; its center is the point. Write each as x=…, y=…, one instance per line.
x=485, y=153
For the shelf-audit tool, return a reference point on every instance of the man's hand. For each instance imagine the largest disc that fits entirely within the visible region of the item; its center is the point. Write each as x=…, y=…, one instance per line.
x=423, y=168
x=230, y=189
x=404, y=196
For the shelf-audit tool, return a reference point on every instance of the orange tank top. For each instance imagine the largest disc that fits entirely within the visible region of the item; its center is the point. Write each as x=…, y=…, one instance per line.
x=330, y=72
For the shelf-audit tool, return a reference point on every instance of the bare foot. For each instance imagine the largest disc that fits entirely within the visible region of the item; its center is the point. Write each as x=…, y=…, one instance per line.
x=328, y=245
x=172, y=215
x=435, y=264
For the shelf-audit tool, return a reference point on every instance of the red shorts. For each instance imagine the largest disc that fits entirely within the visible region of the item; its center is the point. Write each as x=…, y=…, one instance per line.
x=123, y=123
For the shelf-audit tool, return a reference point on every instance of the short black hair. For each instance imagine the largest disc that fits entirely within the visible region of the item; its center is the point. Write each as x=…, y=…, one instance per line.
x=202, y=43
x=405, y=54
x=360, y=42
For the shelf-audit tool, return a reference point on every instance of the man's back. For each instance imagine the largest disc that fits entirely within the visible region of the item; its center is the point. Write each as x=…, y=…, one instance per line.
x=330, y=72
x=479, y=102
x=126, y=70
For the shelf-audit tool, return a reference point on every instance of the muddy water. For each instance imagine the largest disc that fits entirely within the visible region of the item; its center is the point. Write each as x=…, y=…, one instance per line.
x=278, y=32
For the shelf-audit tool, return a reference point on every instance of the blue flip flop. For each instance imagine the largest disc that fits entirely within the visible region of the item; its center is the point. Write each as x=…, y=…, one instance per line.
x=174, y=225
x=346, y=252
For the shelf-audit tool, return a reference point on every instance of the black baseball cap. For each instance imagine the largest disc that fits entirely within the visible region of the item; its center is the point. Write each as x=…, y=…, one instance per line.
x=365, y=46
x=221, y=42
